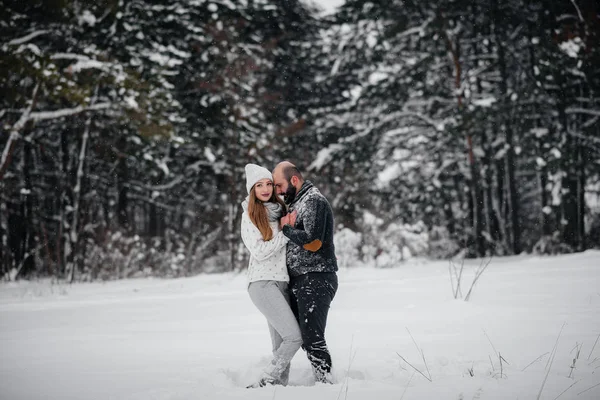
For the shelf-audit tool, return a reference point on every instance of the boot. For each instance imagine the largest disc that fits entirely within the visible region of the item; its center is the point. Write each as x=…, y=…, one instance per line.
x=285, y=376
x=322, y=376
x=262, y=383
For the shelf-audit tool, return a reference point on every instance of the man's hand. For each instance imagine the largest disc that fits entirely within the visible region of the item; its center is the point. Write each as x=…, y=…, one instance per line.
x=289, y=219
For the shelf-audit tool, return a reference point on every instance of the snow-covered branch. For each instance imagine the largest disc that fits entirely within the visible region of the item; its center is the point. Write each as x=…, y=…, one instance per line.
x=28, y=115
x=394, y=117
x=69, y=56
x=578, y=10
x=27, y=38
x=418, y=29
x=83, y=62
x=325, y=155
x=67, y=112
x=157, y=188
x=89, y=64
x=578, y=110
x=586, y=138
x=194, y=167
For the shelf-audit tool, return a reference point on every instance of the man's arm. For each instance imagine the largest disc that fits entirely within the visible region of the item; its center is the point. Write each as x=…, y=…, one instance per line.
x=314, y=216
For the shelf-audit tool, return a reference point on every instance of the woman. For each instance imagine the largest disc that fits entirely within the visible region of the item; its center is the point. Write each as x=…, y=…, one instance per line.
x=267, y=272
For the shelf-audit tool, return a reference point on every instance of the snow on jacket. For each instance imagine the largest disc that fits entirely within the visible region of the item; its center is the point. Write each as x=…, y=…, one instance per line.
x=311, y=246
x=267, y=257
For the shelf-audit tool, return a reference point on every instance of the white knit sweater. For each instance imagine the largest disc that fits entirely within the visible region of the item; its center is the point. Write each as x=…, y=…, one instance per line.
x=267, y=258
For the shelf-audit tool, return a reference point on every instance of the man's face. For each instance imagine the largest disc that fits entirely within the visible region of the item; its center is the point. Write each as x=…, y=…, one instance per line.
x=283, y=187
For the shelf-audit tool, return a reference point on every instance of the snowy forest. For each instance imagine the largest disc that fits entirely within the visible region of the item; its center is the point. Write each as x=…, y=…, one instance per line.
x=434, y=128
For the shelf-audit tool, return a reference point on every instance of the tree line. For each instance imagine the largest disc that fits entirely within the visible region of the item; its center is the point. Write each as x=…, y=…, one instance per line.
x=126, y=126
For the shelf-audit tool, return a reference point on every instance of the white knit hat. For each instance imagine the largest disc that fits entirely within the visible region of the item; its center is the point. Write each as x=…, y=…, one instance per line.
x=255, y=173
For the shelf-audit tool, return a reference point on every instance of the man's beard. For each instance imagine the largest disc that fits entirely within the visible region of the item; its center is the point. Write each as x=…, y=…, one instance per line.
x=290, y=194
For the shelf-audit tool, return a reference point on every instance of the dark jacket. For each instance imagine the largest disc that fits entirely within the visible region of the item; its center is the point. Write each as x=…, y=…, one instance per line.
x=310, y=248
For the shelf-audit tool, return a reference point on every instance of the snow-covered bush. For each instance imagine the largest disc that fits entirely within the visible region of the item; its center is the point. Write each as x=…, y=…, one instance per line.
x=119, y=256
x=592, y=233
x=388, y=245
x=441, y=244
x=347, y=247
x=551, y=245
x=220, y=262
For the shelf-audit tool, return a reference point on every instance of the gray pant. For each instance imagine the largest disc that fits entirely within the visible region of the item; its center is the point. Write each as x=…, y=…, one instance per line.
x=272, y=300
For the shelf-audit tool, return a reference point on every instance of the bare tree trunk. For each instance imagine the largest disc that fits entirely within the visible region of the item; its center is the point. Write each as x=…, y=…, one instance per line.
x=62, y=242
x=447, y=204
x=570, y=182
x=46, y=246
x=580, y=197
x=4, y=263
x=513, y=200
x=476, y=195
x=234, y=214
x=122, y=190
x=74, y=232
x=542, y=170
x=543, y=180
x=491, y=217
x=15, y=133
x=230, y=232
x=27, y=258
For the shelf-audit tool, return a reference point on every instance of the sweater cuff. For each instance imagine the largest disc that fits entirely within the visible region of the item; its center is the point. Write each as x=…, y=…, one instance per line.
x=287, y=230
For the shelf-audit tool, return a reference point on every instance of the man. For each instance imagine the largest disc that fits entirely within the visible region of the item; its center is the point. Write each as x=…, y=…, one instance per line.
x=311, y=261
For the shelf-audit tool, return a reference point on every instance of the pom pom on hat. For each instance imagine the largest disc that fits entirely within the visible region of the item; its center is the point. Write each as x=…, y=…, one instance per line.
x=255, y=173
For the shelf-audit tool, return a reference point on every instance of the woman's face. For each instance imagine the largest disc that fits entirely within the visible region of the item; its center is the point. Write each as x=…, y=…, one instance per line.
x=263, y=189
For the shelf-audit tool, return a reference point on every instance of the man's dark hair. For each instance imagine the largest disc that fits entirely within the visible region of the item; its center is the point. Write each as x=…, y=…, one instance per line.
x=291, y=170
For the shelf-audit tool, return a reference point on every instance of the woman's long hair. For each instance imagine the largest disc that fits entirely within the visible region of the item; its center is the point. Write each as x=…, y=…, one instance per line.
x=258, y=213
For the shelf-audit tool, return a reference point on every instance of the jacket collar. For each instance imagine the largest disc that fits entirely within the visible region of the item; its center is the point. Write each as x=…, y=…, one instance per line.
x=306, y=186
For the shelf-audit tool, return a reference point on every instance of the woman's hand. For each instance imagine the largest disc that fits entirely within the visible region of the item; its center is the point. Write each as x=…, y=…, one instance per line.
x=289, y=219
x=292, y=218
x=284, y=220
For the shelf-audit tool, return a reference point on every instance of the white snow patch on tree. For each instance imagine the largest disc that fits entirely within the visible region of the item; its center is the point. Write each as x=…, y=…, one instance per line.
x=162, y=164
x=377, y=77
x=398, y=132
x=540, y=162
x=486, y=102
x=390, y=173
x=87, y=18
x=571, y=47
x=131, y=103
x=539, y=132
x=336, y=66
x=556, y=192
x=89, y=64
x=371, y=39
x=324, y=157
x=209, y=155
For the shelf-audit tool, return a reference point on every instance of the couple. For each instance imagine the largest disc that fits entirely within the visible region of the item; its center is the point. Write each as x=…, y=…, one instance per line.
x=292, y=271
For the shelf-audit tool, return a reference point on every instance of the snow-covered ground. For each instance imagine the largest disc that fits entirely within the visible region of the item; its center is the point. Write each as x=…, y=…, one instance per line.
x=201, y=337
